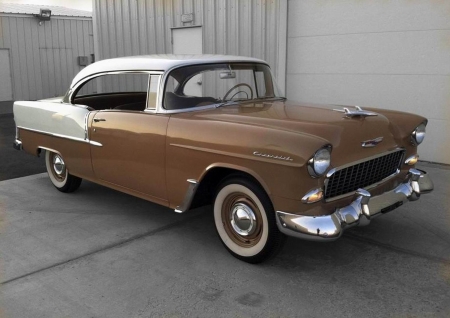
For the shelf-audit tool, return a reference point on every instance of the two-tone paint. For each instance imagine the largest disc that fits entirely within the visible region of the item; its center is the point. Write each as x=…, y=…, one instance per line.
x=165, y=156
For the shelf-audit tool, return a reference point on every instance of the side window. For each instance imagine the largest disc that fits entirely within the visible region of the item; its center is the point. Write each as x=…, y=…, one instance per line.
x=127, y=91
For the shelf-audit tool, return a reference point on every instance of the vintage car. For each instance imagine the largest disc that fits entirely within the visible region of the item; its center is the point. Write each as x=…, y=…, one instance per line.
x=188, y=131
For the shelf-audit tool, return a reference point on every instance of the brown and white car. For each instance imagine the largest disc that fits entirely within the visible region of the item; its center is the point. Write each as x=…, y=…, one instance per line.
x=187, y=131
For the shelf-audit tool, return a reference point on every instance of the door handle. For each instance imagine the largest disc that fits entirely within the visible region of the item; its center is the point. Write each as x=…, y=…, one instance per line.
x=99, y=119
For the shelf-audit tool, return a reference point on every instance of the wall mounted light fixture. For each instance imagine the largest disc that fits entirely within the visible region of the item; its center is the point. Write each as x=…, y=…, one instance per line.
x=44, y=15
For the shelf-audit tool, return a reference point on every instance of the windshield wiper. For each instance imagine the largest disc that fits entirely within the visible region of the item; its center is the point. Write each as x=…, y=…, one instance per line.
x=227, y=103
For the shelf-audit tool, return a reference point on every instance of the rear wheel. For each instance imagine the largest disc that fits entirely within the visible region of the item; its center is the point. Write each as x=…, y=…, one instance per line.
x=245, y=221
x=58, y=173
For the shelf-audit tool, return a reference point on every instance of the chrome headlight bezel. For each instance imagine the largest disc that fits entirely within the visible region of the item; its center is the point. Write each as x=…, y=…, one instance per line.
x=319, y=163
x=418, y=134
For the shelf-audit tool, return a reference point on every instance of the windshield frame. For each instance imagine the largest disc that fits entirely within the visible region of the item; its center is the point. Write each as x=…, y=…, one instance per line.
x=167, y=75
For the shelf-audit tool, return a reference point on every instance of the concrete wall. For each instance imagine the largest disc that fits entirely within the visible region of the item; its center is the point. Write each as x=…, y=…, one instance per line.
x=386, y=54
x=247, y=28
x=44, y=58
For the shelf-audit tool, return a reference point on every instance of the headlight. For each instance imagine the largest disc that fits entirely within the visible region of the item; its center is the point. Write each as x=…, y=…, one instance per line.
x=418, y=135
x=320, y=162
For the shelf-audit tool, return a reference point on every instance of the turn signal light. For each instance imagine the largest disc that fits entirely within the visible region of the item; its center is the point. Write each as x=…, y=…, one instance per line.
x=411, y=161
x=313, y=196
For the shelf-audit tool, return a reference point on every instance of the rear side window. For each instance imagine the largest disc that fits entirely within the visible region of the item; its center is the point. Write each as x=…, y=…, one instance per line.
x=126, y=91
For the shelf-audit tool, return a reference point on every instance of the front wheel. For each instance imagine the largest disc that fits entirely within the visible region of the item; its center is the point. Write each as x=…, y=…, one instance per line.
x=58, y=173
x=245, y=221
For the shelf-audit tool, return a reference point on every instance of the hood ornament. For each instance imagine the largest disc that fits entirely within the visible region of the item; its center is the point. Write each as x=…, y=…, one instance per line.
x=353, y=113
x=371, y=143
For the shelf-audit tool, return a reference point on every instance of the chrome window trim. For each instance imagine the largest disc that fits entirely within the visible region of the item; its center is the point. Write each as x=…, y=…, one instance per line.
x=162, y=110
x=158, y=92
x=68, y=98
x=334, y=170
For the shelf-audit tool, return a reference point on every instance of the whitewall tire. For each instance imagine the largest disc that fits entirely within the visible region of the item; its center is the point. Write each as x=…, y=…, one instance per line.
x=245, y=220
x=58, y=173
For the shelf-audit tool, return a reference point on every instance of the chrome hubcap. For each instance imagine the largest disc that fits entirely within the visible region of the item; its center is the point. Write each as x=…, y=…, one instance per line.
x=243, y=219
x=58, y=165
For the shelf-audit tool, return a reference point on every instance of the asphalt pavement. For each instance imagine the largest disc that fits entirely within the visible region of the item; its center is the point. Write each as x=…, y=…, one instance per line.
x=101, y=253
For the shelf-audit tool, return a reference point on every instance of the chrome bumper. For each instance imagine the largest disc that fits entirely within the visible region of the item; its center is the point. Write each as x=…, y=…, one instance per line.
x=17, y=144
x=359, y=212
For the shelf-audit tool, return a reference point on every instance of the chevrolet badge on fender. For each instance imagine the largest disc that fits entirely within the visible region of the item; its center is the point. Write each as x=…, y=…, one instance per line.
x=256, y=153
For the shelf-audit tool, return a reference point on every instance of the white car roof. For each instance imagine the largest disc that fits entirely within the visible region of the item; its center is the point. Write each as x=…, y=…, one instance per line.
x=162, y=62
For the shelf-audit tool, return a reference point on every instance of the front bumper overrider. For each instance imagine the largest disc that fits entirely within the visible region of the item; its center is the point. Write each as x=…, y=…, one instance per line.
x=359, y=212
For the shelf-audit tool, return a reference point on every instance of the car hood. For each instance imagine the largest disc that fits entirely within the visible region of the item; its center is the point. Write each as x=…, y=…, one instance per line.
x=322, y=122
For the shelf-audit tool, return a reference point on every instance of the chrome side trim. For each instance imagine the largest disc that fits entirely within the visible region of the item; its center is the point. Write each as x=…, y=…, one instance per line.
x=86, y=136
x=232, y=154
x=63, y=136
x=189, y=196
x=363, y=208
x=94, y=143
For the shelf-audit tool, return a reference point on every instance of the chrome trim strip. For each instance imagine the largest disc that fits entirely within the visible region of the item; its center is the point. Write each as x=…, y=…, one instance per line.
x=63, y=136
x=94, y=143
x=231, y=154
x=69, y=95
x=49, y=149
x=86, y=135
x=363, y=208
x=162, y=110
x=189, y=196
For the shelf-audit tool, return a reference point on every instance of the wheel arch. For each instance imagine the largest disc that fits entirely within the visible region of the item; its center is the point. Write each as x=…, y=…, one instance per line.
x=214, y=174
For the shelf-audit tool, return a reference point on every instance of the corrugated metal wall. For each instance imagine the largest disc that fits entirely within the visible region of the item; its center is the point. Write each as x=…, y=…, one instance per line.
x=236, y=27
x=44, y=58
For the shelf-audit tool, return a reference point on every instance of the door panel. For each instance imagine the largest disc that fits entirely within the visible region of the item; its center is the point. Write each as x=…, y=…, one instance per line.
x=132, y=154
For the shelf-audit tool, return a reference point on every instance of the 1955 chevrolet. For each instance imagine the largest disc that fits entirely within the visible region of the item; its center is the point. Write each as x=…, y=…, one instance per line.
x=187, y=131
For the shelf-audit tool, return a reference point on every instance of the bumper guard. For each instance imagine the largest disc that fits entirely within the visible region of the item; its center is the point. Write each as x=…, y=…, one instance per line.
x=359, y=212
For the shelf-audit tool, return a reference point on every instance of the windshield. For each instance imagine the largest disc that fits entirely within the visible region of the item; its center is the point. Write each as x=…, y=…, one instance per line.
x=217, y=84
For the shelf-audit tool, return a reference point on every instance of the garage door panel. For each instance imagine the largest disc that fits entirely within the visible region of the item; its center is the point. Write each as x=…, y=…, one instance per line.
x=425, y=52
x=421, y=94
x=312, y=17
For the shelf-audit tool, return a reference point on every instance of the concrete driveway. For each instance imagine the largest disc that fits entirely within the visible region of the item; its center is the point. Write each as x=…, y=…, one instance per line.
x=101, y=253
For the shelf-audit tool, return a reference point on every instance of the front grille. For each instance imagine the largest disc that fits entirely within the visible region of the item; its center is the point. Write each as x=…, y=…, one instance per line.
x=362, y=175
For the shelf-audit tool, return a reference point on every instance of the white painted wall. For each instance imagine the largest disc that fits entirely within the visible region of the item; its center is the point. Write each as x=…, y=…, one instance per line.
x=386, y=54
